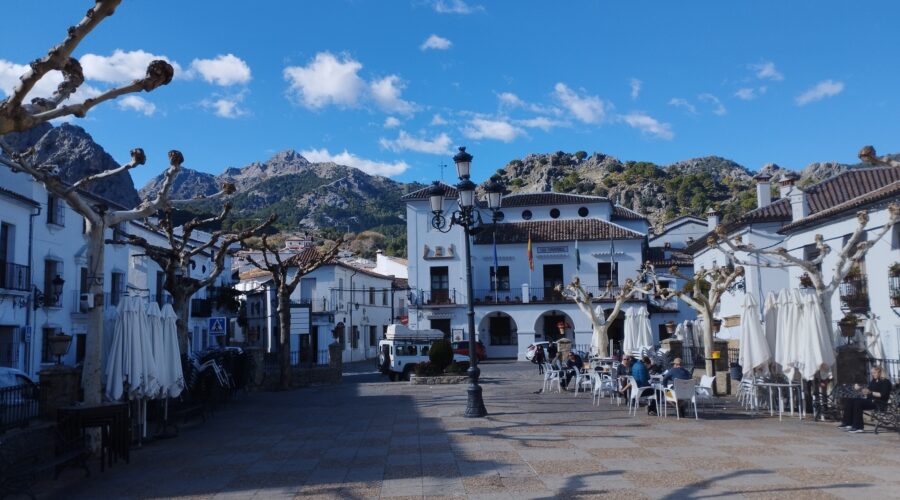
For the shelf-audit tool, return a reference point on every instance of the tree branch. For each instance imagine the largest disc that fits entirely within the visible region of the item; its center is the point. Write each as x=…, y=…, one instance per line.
x=137, y=158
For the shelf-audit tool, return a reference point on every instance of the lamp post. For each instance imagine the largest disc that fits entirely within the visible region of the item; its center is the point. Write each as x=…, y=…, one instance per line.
x=50, y=297
x=469, y=218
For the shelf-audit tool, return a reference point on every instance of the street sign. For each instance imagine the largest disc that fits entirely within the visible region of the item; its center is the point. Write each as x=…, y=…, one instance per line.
x=217, y=326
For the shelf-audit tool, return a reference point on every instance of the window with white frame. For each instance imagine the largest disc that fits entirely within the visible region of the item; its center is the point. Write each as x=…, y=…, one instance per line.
x=56, y=211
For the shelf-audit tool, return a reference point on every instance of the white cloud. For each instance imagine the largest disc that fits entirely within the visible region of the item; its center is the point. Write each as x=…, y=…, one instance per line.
x=455, y=7
x=226, y=106
x=326, y=80
x=821, y=90
x=541, y=122
x=391, y=122
x=586, y=108
x=351, y=160
x=482, y=128
x=386, y=93
x=718, y=107
x=437, y=120
x=746, y=93
x=649, y=125
x=9, y=78
x=680, y=102
x=223, y=70
x=135, y=103
x=439, y=145
x=636, y=86
x=510, y=100
x=766, y=71
x=122, y=67
x=435, y=42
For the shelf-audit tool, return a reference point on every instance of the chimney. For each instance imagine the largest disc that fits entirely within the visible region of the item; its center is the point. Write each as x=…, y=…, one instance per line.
x=763, y=189
x=787, y=184
x=796, y=196
x=712, y=219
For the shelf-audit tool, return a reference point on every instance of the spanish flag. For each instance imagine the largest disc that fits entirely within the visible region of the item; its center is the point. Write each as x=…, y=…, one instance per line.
x=530, y=255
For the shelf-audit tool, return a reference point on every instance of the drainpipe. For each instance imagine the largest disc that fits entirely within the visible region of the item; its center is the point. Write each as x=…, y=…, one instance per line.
x=30, y=312
x=350, y=306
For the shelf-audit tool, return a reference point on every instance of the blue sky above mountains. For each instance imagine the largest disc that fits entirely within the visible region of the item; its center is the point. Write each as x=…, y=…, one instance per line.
x=394, y=87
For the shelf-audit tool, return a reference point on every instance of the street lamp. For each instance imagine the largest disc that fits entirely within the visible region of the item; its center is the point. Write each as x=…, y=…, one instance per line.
x=469, y=218
x=51, y=297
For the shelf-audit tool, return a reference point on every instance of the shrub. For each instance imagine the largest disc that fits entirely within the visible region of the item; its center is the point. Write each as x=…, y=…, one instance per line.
x=427, y=369
x=441, y=353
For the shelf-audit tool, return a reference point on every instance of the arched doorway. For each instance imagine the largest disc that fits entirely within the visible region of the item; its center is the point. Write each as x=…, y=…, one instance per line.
x=554, y=325
x=498, y=329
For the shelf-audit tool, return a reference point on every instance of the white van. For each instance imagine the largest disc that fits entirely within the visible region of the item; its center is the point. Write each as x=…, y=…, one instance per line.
x=402, y=349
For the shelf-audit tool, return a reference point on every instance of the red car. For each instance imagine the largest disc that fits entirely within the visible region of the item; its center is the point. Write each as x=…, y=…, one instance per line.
x=463, y=348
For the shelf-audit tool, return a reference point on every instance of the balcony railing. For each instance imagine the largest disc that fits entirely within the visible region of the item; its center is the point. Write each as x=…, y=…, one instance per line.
x=894, y=284
x=436, y=297
x=536, y=295
x=855, y=294
x=14, y=276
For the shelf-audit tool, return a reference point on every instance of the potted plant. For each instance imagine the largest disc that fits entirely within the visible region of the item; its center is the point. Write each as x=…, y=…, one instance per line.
x=894, y=270
x=848, y=325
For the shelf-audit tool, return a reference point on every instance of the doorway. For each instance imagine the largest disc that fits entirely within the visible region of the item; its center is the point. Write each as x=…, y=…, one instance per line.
x=442, y=325
x=553, y=277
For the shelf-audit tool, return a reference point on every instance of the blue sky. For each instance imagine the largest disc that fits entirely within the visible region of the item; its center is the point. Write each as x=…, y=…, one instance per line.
x=393, y=87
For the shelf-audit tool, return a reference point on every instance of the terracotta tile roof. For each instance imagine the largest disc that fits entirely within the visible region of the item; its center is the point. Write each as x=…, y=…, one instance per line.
x=307, y=256
x=626, y=214
x=401, y=284
x=831, y=192
x=657, y=257
x=538, y=199
x=422, y=194
x=886, y=193
x=556, y=230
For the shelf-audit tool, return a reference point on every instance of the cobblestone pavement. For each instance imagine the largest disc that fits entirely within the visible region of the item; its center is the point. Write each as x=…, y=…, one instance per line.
x=369, y=438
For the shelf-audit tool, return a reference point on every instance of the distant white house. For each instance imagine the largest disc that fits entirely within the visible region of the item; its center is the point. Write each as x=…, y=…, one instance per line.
x=515, y=305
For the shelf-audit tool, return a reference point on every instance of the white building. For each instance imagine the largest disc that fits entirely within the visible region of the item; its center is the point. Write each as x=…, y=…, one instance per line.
x=42, y=239
x=515, y=306
x=349, y=305
x=792, y=221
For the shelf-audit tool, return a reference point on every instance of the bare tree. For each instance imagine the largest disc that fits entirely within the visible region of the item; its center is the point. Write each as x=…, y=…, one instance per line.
x=849, y=256
x=600, y=325
x=175, y=259
x=285, y=284
x=702, y=293
x=18, y=117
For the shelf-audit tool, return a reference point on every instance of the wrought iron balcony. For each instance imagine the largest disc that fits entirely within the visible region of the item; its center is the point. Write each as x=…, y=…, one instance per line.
x=15, y=276
x=854, y=294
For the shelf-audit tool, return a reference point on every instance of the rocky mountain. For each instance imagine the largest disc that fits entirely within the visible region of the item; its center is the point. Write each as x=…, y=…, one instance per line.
x=323, y=197
x=76, y=155
x=662, y=192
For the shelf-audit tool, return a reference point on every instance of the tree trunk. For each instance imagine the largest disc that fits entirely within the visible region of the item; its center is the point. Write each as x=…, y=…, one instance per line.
x=284, y=336
x=182, y=311
x=92, y=374
x=708, y=342
x=602, y=340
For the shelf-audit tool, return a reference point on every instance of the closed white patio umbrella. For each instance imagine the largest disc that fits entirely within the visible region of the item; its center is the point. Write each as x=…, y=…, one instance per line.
x=754, y=353
x=130, y=356
x=629, y=341
x=770, y=318
x=815, y=351
x=788, y=330
x=170, y=360
x=644, y=332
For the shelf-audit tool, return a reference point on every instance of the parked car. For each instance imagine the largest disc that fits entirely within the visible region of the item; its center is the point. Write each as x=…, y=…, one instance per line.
x=402, y=349
x=532, y=349
x=10, y=377
x=463, y=348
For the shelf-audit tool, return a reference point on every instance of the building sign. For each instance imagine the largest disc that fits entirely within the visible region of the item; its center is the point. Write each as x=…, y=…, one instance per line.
x=554, y=250
x=217, y=326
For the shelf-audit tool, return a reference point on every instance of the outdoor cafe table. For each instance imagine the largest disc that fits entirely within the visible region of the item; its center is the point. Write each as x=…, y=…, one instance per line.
x=779, y=386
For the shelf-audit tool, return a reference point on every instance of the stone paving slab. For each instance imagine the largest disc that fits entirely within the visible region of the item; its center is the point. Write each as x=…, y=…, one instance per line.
x=370, y=438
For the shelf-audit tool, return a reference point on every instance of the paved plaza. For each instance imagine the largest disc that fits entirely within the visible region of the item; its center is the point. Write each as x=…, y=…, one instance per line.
x=369, y=438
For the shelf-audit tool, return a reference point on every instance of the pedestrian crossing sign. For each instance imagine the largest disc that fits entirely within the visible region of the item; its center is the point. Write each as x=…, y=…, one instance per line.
x=217, y=326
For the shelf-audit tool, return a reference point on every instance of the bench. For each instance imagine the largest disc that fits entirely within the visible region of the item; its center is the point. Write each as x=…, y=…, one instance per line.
x=889, y=416
x=23, y=460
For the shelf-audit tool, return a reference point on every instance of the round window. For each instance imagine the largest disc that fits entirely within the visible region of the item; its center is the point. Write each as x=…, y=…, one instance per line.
x=583, y=211
x=526, y=214
x=554, y=213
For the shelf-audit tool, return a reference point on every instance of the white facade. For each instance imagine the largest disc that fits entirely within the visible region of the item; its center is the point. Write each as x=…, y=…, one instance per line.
x=680, y=232
x=520, y=306
x=43, y=239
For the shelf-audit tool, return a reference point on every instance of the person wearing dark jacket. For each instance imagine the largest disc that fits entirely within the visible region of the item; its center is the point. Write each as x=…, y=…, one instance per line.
x=675, y=372
x=573, y=364
x=876, y=395
x=539, y=358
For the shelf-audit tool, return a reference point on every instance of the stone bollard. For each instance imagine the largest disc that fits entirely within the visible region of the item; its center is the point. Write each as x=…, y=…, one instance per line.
x=335, y=356
x=59, y=387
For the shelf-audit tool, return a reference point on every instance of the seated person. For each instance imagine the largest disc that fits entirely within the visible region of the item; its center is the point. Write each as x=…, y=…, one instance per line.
x=877, y=394
x=672, y=373
x=638, y=372
x=573, y=364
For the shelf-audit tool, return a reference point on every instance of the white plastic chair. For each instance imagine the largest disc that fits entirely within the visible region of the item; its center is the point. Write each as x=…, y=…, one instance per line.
x=682, y=390
x=606, y=385
x=584, y=381
x=637, y=394
x=551, y=376
x=705, y=391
